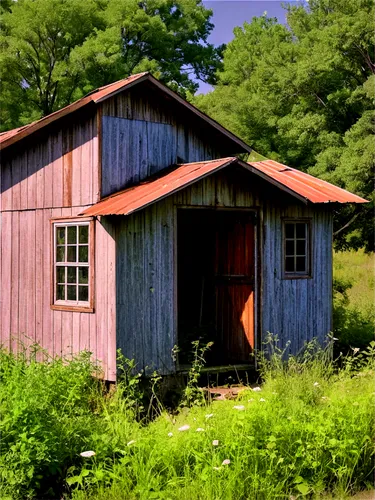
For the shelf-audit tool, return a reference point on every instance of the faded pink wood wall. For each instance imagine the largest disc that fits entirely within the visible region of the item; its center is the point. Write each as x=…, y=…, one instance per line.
x=53, y=175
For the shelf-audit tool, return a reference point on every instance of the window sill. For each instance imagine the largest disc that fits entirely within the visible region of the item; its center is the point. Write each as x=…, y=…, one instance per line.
x=72, y=308
x=297, y=277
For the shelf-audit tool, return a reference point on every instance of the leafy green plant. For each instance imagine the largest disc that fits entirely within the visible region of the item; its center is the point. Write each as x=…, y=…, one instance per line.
x=193, y=394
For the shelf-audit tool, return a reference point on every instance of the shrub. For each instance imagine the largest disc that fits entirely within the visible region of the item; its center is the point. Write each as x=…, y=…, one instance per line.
x=48, y=412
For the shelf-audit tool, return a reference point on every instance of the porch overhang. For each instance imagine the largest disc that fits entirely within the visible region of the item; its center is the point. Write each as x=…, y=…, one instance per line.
x=302, y=186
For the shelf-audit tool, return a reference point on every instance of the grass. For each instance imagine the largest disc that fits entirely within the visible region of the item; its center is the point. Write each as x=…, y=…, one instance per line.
x=353, y=315
x=358, y=268
x=307, y=433
x=309, y=430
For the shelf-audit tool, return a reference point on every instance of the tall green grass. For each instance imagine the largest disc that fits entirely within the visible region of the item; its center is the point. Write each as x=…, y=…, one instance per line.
x=309, y=430
x=354, y=298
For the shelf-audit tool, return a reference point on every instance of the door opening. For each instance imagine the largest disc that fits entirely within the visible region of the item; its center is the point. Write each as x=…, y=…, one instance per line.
x=215, y=284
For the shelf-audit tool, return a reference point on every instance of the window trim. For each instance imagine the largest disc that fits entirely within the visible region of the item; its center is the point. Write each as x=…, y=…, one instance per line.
x=295, y=275
x=60, y=305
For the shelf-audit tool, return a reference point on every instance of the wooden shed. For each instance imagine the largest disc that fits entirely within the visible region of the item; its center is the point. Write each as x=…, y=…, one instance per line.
x=128, y=221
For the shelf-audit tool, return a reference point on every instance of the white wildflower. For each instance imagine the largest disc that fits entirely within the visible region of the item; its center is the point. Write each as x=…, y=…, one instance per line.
x=238, y=407
x=256, y=389
x=88, y=454
x=215, y=442
x=184, y=428
x=355, y=350
x=170, y=434
x=210, y=415
x=200, y=429
x=316, y=384
x=226, y=462
x=131, y=442
x=262, y=400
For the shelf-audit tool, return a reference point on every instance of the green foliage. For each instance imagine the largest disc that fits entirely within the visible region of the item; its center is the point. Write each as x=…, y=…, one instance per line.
x=47, y=413
x=353, y=299
x=308, y=430
x=55, y=51
x=304, y=95
x=193, y=395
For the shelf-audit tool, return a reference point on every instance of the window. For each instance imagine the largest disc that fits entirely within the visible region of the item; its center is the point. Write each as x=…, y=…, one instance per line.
x=297, y=249
x=73, y=265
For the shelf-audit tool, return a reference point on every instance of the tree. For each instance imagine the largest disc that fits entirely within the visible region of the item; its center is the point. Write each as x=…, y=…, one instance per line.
x=55, y=51
x=301, y=94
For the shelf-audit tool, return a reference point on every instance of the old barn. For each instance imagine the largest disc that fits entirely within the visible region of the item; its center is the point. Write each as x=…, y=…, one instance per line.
x=129, y=221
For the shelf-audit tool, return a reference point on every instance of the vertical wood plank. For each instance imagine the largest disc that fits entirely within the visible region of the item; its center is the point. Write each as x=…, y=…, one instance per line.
x=15, y=278
x=6, y=300
x=40, y=245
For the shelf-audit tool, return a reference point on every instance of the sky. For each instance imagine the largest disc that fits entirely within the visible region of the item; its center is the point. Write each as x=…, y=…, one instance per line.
x=227, y=14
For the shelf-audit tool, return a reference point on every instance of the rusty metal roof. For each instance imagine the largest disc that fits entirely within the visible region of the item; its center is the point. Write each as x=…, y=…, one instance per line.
x=148, y=192
x=96, y=96
x=310, y=188
x=303, y=186
x=11, y=136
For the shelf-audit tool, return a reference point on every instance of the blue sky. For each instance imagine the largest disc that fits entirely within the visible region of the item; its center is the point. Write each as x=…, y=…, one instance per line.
x=227, y=14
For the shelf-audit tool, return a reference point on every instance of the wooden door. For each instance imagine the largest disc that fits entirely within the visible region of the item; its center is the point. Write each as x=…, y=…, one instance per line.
x=234, y=286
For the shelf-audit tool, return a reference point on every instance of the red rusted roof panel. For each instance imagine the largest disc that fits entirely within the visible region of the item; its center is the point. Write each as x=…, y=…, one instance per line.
x=311, y=188
x=148, y=192
x=135, y=198
x=11, y=136
x=96, y=96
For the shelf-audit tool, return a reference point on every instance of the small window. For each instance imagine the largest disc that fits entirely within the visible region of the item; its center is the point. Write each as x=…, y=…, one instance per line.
x=72, y=265
x=297, y=249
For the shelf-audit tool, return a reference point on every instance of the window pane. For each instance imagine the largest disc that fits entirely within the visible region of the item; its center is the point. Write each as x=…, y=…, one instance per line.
x=60, y=254
x=83, y=275
x=83, y=234
x=83, y=292
x=301, y=230
x=84, y=254
x=72, y=254
x=72, y=234
x=60, y=235
x=72, y=275
x=289, y=230
x=60, y=274
x=289, y=247
x=60, y=292
x=72, y=292
x=301, y=247
x=289, y=264
x=301, y=264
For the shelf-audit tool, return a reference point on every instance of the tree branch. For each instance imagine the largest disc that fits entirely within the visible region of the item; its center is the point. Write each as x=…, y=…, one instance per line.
x=346, y=225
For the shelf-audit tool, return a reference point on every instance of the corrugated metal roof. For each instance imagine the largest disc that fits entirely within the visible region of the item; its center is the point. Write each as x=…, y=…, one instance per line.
x=11, y=136
x=148, y=192
x=96, y=96
x=311, y=188
x=303, y=186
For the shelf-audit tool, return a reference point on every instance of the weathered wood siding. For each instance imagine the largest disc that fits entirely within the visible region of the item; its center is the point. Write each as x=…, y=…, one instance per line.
x=141, y=136
x=54, y=174
x=52, y=169
x=295, y=310
x=25, y=300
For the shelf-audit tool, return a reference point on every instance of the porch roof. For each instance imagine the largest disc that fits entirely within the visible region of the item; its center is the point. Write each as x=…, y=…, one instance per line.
x=305, y=187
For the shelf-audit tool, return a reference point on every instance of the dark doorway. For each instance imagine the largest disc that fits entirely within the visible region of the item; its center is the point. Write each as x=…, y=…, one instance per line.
x=215, y=253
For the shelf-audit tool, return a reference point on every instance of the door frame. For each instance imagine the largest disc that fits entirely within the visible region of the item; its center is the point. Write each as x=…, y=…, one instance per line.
x=258, y=238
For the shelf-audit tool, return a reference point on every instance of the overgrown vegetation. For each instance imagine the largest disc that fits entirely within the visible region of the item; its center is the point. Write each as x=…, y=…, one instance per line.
x=353, y=301
x=309, y=429
x=303, y=94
